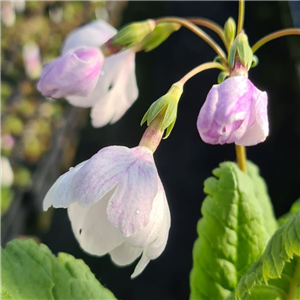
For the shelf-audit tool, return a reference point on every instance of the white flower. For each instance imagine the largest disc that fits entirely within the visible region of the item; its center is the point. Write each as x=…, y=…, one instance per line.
x=116, y=204
x=7, y=174
x=116, y=89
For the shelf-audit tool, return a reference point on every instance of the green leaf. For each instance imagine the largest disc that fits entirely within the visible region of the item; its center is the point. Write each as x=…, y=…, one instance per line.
x=292, y=211
x=31, y=271
x=231, y=233
x=261, y=193
x=280, y=259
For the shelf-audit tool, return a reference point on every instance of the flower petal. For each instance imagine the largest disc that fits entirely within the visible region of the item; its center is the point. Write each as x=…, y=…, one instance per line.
x=142, y=264
x=60, y=194
x=93, y=34
x=124, y=254
x=258, y=132
x=75, y=73
x=116, y=89
x=92, y=229
x=130, y=206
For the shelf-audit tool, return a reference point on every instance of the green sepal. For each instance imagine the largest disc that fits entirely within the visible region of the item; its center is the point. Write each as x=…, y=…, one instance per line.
x=222, y=76
x=160, y=33
x=229, y=31
x=31, y=271
x=255, y=61
x=241, y=48
x=133, y=34
x=167, y=103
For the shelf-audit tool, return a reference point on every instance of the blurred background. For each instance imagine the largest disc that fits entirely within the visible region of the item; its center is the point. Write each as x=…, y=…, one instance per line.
x=42, y=138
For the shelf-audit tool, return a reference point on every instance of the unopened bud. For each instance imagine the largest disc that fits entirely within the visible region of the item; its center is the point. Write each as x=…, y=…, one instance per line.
x=229, y=31
x=133, y=34
x=166, y=106
x=158, y=35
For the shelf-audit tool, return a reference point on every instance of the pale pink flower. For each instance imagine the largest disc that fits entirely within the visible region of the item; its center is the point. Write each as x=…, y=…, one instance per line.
x=74, y=73
x=116, y=89
x=116, y=204
x=234, y=111
x=32, y=60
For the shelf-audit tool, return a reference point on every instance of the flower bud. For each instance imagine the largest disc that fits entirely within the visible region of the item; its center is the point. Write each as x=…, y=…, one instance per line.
x=229, y=31
x=160, y=33
x=132, y=34
x=167, y=105
x=234, y=111
x=74, y=74
x=240, y=55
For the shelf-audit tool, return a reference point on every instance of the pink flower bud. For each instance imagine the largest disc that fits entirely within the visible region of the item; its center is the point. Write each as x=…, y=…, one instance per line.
x=73, y=74
x=116, y=204
x=234, y=111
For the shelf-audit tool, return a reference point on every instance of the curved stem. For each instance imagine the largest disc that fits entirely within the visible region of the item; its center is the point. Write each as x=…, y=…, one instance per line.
x=241, y=157
x=211, y=25
x=275, y=35
x=197, y=31
x=241, y=16
x=203, y=67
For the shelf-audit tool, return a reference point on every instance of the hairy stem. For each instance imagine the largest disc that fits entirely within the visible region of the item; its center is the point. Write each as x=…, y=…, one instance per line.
x=203, y=67
x=241, y=157
x=211, y=25
x=275, y=35
x=197, y=31
x=294, y=282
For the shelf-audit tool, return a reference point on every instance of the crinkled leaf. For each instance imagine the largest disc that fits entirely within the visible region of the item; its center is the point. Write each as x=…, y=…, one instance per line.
x=261, y=193
x=280, y=259
x=231, y=234
x=31, y=271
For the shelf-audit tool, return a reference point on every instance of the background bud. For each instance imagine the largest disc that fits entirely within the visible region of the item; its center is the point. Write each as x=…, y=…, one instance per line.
x=160, y=33
x=133, y=33
x=229, y=31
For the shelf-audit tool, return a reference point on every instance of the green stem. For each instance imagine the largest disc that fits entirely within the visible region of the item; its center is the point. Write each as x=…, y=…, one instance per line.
x=241, y=157
x=294, y=282
x=203, y=67
x=211, y=25
x=241, y=16
x=275, y=35
x=198, y=31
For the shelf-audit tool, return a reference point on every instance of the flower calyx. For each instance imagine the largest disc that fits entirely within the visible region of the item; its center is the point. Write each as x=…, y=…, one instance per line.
x=132, y=34
x=160, y=33
x=164, y=110
x=240, y=56
x=229, y=31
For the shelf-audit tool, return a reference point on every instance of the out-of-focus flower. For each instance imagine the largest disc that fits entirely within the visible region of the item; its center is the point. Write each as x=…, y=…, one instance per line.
x=19, y=5
x=32, y=60
x=7, y=174
x=75, y=73
x=116, y=204
x=116, y=88
x=8, y=15
x=235, y=111
x=7, y=142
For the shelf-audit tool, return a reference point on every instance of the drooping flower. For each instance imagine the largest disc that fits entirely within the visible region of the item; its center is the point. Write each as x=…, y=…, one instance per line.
x=116, y=204
x=74, y=73
x=234, y=111
x=116, y=88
